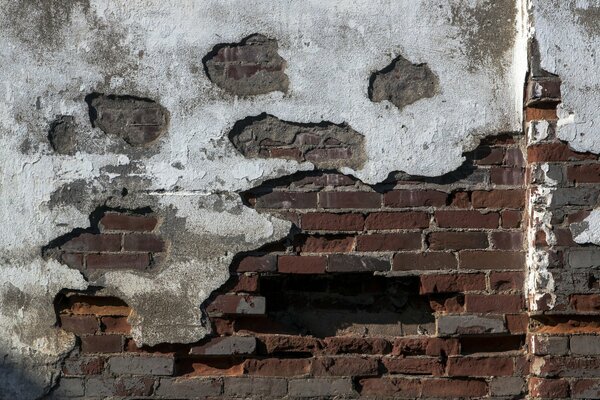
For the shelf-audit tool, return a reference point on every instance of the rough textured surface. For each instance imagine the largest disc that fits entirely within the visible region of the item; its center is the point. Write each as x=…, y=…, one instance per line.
x=403, y=83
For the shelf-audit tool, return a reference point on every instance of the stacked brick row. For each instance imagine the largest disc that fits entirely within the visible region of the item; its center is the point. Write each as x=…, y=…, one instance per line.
x=565, y=297
x=409, y=289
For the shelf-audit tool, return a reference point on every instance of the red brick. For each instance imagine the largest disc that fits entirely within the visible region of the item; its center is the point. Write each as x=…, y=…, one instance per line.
x=498, y=303
x=511, y=219
x=413, y=365
x=344, y=366
x=389, y=241
x=277, y=367
x=356, y=345
x=333, y=222
x=143, y=242
x=301, y=264
x=325, y=244
x=399, y=388
x=425, y=346
x=454, y=388
x=552, y=152
x=115, y=325
x=442, y=303
x=481, y=259
x=286, y=200
x=589, y=173
x=79, y=324
x=287, y=153
x=118, y=261
x=349, y=200
x=270, y=344
x=583, y=388
x=448, y=283
x=460, y=199
x=266, y=263
x=328, y=154
x=229, y=304
x=585, y=302
x=424, y=261
x=548, y=388
x=500, y=281
x=93, y=242
x=415, y=198
x=397, y=220
x=457, y=240
x=564, y=237
x=97, y=305
x=102, y=344
x=485, y=155
x=125, y=222
x=507, y=240
x=82, y=365
x=514, y=157
x=517, y=324
x=507, y=176
x=540, y=113
x=245, y=284
x=466, y=219
x=498, y=199
x=480, y=366
x=356, y=263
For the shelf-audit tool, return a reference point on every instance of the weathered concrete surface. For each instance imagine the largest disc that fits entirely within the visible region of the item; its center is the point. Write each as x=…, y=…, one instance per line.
x=568, y=35
x=56, y=53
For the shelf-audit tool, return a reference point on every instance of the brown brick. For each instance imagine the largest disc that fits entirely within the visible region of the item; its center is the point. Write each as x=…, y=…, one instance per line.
x=514, y=157
x=82, y=365
x=389, y=241
x=485, y=155
x=507, y=176
x=399, y=388
x=507, y=240
x=93, y=242
x=355, y=263
x=277, y=367
x=97, y=305
x=102, y=344
x=498, y=199
x=124, y=222
x=424, y=261
x=511, y=219
x=588, y=173
x=480, y=259
x=333, y=222
x=118, y=261
x=115, y=325
x=79, y=324
x=245, y=284
x=553, y=152
x=143, y=242
x=539, y=113
x=270, y=344
x=443, y=303
x=457, y=240
x=448, y=283
x=460, y=199
x=344, y=366
x=415, y=198
x=355, y=345
x=301, y=264
x=480, y=366
x=517, y=324
x=266, y=263
x=499, y=303
x=466, y=219
x=548, y=388
x=585, y=302
x=226, y=346
x=229, y=304
x=500, y=281
x=349, y=200
x=425, y=346
x=397, y=220
x=454, y=388
x=287, y=200
x=325, y=244
x=413, y=365
x=581, y=388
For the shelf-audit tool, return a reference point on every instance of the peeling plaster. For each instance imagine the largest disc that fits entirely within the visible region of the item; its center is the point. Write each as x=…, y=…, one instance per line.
x=568, y=35
x=588, y=230
x=55, y=53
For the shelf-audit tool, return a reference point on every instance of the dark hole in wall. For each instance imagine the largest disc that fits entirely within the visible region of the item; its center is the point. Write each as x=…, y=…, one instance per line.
x=333, y=304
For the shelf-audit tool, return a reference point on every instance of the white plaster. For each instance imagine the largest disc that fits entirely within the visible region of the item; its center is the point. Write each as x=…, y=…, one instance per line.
x=591, y=233
x=569, y=41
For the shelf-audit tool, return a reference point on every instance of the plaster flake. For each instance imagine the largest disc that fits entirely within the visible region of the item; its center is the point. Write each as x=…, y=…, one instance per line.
x=569, y=40
x=587, y=231
x=133, y=48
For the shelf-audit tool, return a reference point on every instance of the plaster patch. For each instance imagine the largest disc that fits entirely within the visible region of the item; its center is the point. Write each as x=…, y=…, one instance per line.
x=587, y=231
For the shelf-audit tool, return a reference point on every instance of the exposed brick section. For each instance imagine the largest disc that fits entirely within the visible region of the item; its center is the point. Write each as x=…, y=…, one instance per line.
x=389, y=241
x=440, y=283
x=349, y=263
x=498, y=199
x=457, y=240
x=415, y=198
x=251, y=67
x=349, y=200
x=475, y=259
x=467, y=219
x=125, y=222
x=424, y=261
x=332, y=222
x=301, y=265
x=397, y=220
x=102, y=344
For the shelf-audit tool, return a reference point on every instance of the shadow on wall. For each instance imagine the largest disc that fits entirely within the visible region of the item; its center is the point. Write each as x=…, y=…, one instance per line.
x=18, y=382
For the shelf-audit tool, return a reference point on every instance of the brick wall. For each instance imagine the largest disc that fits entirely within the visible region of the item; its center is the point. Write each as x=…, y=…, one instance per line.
x=413, y=288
